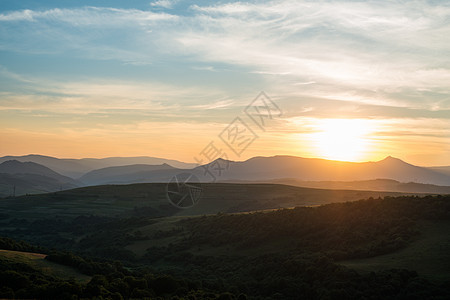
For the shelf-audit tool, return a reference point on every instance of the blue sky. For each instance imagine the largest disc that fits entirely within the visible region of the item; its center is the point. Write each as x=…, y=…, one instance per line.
x=74, y=73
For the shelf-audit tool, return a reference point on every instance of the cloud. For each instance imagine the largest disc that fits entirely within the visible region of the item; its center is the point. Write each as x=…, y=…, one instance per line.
x=127, y=101
x=87, y=16
x=4, y=72
x=361, y=52
x=164, y=3
x=216, y=105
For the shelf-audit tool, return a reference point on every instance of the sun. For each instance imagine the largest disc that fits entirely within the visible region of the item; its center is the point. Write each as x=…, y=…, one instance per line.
x=342, y=139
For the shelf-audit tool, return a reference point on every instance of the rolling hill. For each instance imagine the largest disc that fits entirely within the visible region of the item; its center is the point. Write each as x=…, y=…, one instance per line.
x=76, y=168
x=389, y=174
x=18, y=178
x=150, y=199
x=313, y=169
x=391, y=248
x=128, y=174
x=387, y=185
x=279, y=168
x=124, y=174
x=444, y=170
x=38, y=262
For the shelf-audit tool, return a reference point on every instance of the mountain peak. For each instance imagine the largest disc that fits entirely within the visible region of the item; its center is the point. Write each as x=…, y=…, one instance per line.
x=14, y=163
x=15, y=166
x=391, y=159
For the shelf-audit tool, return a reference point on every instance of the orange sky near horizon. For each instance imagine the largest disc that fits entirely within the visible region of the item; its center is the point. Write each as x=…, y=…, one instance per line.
x=354, y=81
x=369, y=141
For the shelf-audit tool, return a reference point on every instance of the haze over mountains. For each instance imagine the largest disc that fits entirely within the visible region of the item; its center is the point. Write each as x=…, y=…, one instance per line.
x=443, y=170
x=18, y=178
x=76, y=168
x=389, y=174
x=126, y=174
x=314, y=169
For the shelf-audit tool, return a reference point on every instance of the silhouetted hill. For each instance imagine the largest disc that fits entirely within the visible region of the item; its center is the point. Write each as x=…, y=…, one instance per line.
x=76, y=168
x=150, y=200
x=15, y=167
x=261, y=169
x=313, y=169
x=27, y=177
x=124, y=174
x=366, y=185
x=443, y=170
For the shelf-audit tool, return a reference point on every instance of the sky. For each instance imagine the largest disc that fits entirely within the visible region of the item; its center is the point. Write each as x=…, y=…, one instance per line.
x=351, y=80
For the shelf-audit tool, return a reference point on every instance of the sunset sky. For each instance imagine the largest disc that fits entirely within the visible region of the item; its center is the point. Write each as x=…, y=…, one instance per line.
x=355, y=80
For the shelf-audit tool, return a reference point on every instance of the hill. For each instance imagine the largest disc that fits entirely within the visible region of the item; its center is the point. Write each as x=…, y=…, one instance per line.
x=16, y=167
x=389, y=174
x=124, y=174
x=387, y=185
x=22, y=178
x=151, y=200
x=429, y=254
x=399, y=176
x=38, y=262
x=312, y=169
x=278, y=254
x=444, y=170
x=76, y=168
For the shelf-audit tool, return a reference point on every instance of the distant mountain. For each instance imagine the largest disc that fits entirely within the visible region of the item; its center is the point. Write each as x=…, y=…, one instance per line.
x=15, y=167
x=127, y=174
x=310, y=172
x=76, y=168
x=443, y=170
x=313, y=169
x=18, y=178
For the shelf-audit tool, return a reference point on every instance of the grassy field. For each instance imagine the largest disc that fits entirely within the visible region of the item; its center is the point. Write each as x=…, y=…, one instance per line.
x=150, y=200
x=429, y=255
x=38, y=261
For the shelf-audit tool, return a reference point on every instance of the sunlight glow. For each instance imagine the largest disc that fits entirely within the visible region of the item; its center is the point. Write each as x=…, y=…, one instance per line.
x=342, y=139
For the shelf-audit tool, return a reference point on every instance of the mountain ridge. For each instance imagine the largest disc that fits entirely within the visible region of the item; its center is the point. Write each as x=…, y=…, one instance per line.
x=317, y=169
x=310, y=171
x=121, y=173
x=75, y=168
x=18, y=178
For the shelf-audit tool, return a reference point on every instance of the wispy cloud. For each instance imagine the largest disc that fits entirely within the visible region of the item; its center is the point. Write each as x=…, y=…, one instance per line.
x=87, y=16
x=341, y=45
x=164, y=3
x=205, y=61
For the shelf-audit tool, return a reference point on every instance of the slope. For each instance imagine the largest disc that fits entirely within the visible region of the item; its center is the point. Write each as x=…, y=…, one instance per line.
x=150, y=200
x=122, y=174
x=19, y=178
x=38, y=262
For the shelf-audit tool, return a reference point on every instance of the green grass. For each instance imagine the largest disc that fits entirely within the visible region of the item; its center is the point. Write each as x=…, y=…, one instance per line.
x=429, y=255
x=38, y=262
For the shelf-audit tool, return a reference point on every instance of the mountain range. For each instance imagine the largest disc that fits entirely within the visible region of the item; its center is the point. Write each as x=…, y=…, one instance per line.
x=314, y=169
x=76, y=168
x=18, y=178
x=25, y=175
x=126, y=174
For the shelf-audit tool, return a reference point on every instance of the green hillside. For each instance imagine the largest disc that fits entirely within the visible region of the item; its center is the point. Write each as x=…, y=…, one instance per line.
x=38, y=262
x=150, y=200
x=133, y=242
x=429, y=254
x=320, y=252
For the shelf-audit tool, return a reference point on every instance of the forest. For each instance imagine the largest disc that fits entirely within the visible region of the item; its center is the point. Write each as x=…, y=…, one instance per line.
x=280, y=254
